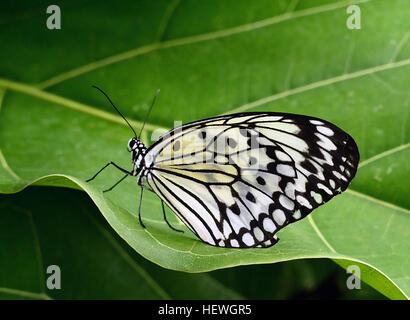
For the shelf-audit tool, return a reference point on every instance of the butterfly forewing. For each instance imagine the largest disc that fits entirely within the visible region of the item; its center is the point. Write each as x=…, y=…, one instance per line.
x=236, y=180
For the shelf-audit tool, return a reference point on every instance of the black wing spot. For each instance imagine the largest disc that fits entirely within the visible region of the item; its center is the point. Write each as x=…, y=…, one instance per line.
x=261, y=181
x=235, y=208
x=271, y=167
x=234, y=193
x=250, y=197
x=270, y=152
x=271, y=208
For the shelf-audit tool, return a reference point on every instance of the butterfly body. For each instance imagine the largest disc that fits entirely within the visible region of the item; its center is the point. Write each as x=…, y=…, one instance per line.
x=138, y=150
x=236, y=180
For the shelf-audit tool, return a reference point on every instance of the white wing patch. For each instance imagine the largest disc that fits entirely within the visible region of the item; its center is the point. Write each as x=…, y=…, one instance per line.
x=236, y=180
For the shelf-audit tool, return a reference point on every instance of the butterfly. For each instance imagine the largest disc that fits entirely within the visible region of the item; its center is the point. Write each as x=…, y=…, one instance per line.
x=235, y=180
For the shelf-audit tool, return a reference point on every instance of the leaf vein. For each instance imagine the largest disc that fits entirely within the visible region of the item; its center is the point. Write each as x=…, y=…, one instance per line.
x=37, y=93
x=320, y=234
x=400, y=46
x=169, y=12
x=378, y=201
x=193, y=39
x=384, y=154
x=319, y=84
x=24, y=293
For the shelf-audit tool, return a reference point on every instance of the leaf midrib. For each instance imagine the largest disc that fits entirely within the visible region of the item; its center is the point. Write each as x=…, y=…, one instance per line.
x=84, y=108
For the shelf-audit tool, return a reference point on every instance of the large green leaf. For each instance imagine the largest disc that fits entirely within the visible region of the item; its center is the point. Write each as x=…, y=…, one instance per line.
x=68, y=230
x=94, y=263
x=209, y=58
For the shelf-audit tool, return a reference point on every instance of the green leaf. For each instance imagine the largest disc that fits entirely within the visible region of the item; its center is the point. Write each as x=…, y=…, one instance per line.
x=94, y=262
x=279, y=56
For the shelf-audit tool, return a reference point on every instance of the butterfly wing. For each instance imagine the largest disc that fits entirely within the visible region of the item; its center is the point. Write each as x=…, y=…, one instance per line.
x=236, y=180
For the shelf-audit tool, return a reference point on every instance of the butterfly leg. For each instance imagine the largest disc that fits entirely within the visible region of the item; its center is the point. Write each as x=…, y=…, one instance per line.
x=109, y=163
x=139, y=209
x=162, y=203
x=117, y=183
x=146, y=187
x=165, y=218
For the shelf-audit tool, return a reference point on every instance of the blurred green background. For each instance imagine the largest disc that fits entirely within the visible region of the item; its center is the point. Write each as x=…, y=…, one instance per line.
x=208, y=57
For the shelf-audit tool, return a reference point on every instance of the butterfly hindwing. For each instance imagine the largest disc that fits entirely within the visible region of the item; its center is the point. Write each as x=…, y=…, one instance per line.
x=236, y=180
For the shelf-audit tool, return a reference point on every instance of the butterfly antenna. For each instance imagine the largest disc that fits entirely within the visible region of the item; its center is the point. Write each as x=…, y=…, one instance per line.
x=149, y=111
x=116, y=109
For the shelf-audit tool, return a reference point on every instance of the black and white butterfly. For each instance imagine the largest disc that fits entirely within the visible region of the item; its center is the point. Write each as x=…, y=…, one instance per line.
x=236, y=180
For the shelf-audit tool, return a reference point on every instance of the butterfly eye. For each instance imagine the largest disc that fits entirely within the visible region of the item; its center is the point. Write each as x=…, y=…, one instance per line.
x=131, y=144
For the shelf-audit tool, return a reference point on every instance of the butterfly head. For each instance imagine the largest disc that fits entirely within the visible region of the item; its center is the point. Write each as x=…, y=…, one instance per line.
x=135, y=145
x=137, y=149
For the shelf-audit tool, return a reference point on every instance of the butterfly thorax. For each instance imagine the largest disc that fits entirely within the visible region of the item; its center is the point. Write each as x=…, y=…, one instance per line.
x=138, y=150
